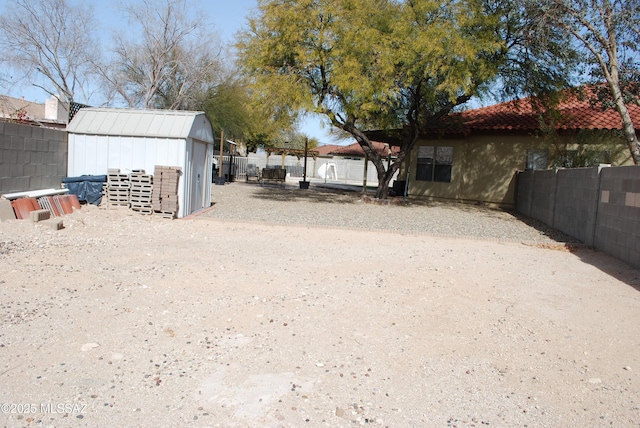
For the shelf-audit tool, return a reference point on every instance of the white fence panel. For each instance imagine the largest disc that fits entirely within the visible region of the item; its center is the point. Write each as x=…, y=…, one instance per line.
x=329, y=170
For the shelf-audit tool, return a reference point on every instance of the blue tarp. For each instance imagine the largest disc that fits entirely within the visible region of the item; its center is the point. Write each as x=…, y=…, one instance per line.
x=88, y=188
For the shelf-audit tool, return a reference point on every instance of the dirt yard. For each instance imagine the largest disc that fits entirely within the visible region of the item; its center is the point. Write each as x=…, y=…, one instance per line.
x=127, y=320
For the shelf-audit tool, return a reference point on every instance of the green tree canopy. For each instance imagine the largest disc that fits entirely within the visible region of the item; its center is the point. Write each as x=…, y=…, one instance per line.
x=230, y=107
x=370, y=64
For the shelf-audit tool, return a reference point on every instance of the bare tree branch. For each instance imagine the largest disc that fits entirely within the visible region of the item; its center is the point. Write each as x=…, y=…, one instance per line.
x=169, y=62
x=50, y=41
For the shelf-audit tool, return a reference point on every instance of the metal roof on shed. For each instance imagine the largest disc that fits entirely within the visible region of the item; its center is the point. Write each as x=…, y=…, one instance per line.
x=137, y=123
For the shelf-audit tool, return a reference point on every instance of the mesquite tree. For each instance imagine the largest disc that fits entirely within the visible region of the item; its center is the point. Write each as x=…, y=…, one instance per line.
x=370, y=64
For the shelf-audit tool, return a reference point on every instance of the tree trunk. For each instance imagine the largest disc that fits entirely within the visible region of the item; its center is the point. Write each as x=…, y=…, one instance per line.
x=628, y=129
x=384, y=178
x=382, y=192
x=613, y=79
x=384, y=175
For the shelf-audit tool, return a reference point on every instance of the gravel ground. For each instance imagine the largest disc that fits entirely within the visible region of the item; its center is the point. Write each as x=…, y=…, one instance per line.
x=121, y=319
x=336, y=208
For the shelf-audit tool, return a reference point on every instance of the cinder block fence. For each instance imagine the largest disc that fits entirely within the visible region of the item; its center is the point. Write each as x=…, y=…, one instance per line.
x=31, y=157
x=600, y=206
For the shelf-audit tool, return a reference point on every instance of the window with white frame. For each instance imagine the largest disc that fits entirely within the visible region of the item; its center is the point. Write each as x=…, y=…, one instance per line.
x=434, y=164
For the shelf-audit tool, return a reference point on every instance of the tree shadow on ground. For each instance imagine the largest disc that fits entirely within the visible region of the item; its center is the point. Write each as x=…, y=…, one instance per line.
x=313, y=194
x=349, y=194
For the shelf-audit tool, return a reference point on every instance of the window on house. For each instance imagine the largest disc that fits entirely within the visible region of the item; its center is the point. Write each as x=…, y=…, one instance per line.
x=584, y=158
x=568, y=159
x=536, y=159
x=596, y=157
x=434, y=164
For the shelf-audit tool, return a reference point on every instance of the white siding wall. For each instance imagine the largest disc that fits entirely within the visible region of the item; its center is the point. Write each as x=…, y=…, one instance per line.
x=201, y=129
x=95, y=154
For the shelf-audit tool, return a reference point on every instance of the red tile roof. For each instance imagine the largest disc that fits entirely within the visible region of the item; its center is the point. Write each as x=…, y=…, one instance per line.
x=354, y=149
x=327, y=149
x=522, y=116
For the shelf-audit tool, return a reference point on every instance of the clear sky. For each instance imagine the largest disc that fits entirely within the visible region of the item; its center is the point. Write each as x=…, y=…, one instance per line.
x=226, y=17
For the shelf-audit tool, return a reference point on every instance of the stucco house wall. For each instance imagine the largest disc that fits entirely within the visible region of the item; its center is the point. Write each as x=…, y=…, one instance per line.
x=484, y=169
x=490, y=144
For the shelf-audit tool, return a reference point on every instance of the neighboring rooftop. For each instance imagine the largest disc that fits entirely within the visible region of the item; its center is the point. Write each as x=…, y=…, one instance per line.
x=52, y=112
x=354, y=149
x=14, y=108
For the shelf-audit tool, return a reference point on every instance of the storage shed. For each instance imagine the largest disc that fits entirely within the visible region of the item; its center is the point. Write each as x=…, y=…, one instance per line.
x=126, y=139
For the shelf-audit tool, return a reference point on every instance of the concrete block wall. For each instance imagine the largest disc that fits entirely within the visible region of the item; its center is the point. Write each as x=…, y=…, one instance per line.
x=618, y=228
x=543, y=196
x=598, y=206
x=576, y=203
x=31, y=158
x=525, y=192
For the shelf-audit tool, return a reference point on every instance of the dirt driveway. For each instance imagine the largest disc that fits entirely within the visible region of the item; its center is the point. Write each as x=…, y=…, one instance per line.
x=127, y=320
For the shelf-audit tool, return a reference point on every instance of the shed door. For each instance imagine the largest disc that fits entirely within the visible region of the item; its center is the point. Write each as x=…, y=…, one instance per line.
x=198, y=176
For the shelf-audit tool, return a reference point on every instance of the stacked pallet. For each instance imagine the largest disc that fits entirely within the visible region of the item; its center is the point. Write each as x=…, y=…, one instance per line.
x=118, y=188
x=140, y=193
x=165, y=190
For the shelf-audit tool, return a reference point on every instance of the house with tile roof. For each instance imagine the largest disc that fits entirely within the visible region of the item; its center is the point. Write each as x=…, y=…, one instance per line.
x=474, y=156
